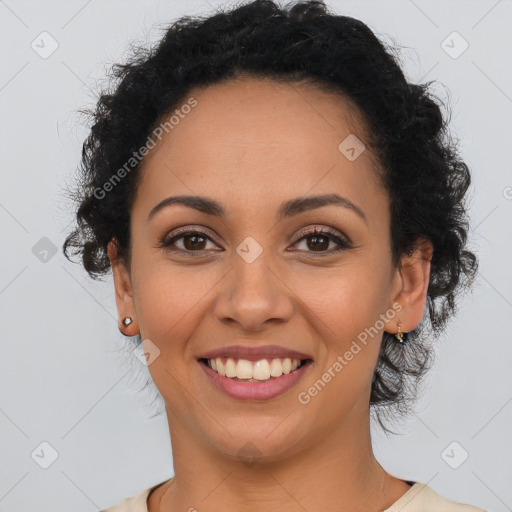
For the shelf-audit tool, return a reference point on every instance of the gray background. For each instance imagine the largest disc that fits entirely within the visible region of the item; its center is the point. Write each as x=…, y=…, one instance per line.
x=66, y=375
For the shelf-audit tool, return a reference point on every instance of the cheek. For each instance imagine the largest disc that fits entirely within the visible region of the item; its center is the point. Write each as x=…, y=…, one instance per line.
x=345, y=300
x=170, y=300
x=169, y=305
x=344, y=308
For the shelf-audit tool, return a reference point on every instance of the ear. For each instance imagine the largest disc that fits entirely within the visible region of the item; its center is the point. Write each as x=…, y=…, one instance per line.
x=123, y=290
x=413, y=278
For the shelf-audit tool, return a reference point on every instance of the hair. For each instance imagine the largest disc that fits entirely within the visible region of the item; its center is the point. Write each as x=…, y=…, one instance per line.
x=304, y=42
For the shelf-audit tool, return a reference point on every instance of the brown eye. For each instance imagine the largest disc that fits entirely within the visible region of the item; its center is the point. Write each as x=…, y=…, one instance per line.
x=318, y=241
x=194, y=241
x=190, y=241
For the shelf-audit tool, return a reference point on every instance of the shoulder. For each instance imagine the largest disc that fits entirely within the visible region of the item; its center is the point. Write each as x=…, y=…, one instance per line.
x=137, y=503
x=422, y=498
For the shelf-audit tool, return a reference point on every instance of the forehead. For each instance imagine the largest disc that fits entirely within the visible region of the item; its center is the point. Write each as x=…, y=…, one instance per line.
x=263, y=113
x=250, y=142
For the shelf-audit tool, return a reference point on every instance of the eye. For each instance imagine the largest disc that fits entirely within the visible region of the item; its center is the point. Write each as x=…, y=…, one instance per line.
x=191, y=240
x=320, y=240
x=196, y=240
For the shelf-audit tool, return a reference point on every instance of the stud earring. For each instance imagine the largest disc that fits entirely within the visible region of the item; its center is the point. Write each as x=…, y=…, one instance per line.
x=127, y=321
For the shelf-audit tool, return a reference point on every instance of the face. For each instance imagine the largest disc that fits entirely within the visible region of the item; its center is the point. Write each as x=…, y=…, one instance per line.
x=257, y=275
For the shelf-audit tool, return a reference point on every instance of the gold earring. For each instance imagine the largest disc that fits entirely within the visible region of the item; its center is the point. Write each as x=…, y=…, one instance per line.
x=399, y=335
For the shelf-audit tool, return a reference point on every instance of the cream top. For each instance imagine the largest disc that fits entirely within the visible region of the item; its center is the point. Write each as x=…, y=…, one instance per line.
x=419, y=498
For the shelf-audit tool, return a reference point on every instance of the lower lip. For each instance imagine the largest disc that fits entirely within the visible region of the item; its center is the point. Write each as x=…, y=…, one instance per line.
x=264, y=390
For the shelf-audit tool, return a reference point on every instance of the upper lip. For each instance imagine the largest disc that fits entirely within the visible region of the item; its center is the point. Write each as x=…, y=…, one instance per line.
x=254, y=353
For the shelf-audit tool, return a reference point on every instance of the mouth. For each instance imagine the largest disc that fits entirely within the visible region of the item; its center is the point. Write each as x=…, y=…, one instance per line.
x=261, y=370
x=257, y=379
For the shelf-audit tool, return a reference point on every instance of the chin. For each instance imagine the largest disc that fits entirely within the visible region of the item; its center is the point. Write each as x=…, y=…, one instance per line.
x=258, y=445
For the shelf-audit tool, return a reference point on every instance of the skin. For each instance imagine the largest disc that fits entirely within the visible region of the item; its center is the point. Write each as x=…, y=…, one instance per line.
x=252, y=144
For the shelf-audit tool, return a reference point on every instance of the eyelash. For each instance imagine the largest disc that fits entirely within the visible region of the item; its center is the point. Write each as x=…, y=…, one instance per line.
x=344, y=244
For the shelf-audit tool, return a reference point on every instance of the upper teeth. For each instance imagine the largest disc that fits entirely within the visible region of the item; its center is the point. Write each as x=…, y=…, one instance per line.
x=259, y=370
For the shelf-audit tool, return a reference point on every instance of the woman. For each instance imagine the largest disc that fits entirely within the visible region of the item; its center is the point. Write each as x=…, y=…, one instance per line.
x=285, y=222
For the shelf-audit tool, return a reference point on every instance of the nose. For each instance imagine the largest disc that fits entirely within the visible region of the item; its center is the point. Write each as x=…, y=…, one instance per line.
x=253, y=294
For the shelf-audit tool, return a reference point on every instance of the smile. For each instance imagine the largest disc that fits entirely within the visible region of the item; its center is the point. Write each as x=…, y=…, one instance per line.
x=254, y=380
x=264, y=369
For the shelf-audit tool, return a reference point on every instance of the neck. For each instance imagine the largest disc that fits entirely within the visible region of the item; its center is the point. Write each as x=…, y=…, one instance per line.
x=331, y=472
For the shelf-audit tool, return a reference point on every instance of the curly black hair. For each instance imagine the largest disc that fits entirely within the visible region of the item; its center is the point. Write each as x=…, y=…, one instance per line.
x=301, y=43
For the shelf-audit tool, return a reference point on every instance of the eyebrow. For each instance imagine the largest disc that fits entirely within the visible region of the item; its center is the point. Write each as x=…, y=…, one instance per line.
x=287, y=209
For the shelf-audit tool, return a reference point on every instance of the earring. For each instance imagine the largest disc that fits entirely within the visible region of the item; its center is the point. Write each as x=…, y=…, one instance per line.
x=127, y=321
x=400, y=335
